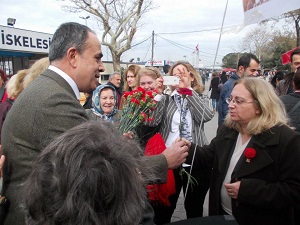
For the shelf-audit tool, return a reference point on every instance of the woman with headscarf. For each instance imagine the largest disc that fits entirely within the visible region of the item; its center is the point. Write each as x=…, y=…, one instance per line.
x=104, y=104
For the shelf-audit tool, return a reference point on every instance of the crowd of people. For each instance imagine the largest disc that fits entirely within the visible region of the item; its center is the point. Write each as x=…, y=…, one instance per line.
x=64, y=163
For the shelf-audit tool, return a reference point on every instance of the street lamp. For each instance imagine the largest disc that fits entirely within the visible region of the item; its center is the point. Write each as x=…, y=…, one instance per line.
x=11, y=21
x=85, y=18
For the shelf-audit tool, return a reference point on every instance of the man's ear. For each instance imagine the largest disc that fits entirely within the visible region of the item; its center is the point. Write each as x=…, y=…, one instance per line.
x=72, y=55
x=241, y=70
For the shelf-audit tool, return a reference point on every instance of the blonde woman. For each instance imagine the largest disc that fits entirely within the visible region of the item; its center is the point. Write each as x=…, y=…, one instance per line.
x=147, y=78
x=197, y=111
x=255, y=158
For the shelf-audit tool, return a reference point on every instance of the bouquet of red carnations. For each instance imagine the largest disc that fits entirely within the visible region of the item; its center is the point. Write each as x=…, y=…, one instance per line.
x=138, y=108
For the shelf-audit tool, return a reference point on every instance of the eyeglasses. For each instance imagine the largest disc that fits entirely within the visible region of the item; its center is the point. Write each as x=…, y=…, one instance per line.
x=236, y=101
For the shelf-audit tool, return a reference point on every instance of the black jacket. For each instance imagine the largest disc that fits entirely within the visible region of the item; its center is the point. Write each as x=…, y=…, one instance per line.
x=270, y=183
x=289, y=101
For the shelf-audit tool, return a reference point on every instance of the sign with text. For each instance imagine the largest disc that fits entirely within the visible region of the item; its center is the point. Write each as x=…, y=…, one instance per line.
x=14, y=39
x=155, y=63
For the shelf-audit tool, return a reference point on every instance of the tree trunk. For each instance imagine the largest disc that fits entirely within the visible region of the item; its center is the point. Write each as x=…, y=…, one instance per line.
x=116, y=62
x=297, y=31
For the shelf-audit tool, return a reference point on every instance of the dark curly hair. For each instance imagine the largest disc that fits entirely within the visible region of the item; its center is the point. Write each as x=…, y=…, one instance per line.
x=88, y=175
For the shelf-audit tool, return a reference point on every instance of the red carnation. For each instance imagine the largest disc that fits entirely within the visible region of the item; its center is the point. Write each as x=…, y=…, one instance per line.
x=185, y=91
x=135, y=101
x=141, y=89
x=150, y=119
x=144, y=116
x=250, y=153
x=150, y=94
x=125, y=95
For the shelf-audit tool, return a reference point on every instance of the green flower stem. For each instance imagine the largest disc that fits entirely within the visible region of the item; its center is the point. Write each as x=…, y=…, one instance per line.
x=131, y=116
x=192, y=180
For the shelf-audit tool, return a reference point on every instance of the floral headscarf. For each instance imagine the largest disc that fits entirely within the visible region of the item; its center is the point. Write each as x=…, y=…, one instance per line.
x=96, y=107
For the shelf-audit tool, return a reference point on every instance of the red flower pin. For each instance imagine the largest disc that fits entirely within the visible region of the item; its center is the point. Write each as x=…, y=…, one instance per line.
x=250, y=153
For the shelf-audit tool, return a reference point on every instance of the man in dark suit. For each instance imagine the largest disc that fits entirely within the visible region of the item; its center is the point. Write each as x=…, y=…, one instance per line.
x=49, y=106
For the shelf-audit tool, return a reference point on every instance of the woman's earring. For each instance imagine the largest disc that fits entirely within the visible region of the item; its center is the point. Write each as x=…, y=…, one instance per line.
x=192, y=84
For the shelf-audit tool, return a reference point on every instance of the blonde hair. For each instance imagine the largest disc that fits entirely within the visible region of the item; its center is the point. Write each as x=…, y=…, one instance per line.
x=150, y=72
x=15, y=84
x=35, y=70
x=272, y=110
x=196, y=84
x=134, y=69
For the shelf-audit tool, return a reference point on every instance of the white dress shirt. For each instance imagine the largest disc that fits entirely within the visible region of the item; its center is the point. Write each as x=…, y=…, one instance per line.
x=67, y=78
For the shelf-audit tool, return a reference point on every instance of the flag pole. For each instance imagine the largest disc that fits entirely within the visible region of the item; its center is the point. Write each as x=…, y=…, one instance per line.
x=197, y=63
x=220, y=35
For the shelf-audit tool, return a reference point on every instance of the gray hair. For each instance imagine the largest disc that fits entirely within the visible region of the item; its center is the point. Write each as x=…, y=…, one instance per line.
x=66, y=36
x=113, y=74
x=87, y=175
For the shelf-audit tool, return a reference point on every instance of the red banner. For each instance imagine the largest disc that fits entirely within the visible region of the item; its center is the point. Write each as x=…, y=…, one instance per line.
x=285, y=57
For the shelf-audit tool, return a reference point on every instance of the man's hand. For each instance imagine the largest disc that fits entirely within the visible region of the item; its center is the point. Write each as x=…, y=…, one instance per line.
x=129, y=134
x=176, y=154
x=187, y=142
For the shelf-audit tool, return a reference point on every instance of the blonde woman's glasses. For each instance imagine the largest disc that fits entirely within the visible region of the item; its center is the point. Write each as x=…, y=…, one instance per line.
x=236, y=102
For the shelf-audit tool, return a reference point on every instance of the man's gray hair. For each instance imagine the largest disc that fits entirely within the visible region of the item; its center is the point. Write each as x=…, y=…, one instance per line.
x=113, y=74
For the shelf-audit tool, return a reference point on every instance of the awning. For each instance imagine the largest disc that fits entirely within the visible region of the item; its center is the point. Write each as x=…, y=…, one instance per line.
x=229, y=70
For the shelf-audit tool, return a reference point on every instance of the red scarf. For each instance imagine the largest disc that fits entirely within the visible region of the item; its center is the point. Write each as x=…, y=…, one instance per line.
x=159, y=193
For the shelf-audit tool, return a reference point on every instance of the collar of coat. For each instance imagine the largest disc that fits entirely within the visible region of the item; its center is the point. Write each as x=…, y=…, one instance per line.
x=259, y=142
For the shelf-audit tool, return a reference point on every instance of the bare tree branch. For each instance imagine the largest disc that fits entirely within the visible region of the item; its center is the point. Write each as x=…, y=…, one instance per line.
x=119, y=20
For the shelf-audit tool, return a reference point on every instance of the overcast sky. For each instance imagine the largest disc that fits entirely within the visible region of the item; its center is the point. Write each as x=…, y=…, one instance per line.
x=169, y=21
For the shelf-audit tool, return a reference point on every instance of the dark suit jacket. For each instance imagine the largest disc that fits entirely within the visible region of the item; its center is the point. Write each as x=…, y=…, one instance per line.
x=270, y=183
x=44, y=110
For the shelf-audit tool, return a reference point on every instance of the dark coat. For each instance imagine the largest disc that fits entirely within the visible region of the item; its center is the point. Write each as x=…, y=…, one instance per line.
x=45, y=109
x=285, y=86
x=289, y=101
x=270, y=183
x=215, y=93
x=4, y=108
x=225, y=93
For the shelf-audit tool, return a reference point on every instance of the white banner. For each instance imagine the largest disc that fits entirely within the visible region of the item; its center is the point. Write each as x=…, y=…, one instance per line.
x=256, y=11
